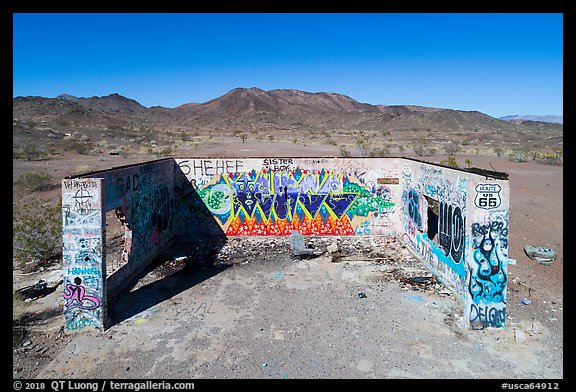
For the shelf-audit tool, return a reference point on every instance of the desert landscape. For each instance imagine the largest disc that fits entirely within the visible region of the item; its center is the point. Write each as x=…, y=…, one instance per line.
x=57, y=137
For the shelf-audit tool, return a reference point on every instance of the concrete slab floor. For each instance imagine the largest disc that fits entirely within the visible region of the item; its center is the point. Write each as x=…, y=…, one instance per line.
x=288, y=319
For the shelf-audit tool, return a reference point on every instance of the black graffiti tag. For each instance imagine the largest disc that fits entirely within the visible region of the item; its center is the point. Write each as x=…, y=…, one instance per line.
x=451, y=226
x=485, y=316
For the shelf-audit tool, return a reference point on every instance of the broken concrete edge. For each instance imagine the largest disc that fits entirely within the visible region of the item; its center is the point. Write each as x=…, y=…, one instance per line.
x=298, y=245
x=459, y=297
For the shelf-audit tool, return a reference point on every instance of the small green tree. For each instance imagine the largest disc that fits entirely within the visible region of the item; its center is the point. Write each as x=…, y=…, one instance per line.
x=37, y=232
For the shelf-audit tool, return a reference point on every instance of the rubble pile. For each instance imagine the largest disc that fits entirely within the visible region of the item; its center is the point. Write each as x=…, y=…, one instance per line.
x=242, y=249
x=404, y=269
x=374, y=248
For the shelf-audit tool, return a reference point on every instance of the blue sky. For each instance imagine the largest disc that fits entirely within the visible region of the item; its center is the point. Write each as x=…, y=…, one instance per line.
x=497, y=63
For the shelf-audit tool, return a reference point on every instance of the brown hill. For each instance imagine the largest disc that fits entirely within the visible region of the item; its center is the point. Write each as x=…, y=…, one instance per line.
x=287, y=110
x=112, y=103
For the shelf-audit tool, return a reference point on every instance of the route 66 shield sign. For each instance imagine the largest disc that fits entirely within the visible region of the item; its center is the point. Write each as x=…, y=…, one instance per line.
x=487, y=196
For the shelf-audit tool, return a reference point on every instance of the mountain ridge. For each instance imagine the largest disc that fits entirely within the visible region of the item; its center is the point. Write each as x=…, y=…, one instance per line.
x=253, y=108
x=548, y=118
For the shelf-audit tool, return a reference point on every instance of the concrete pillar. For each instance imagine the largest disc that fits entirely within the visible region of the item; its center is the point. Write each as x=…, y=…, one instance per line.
x=487, y=254
x=83, y=254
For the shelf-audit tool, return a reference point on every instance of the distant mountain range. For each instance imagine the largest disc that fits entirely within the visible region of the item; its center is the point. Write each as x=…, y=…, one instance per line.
x=249, y=109
x=531, y=117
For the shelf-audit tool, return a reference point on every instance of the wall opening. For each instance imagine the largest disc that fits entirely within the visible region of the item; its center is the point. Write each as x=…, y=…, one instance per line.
x=433, y=213
x=118, y=241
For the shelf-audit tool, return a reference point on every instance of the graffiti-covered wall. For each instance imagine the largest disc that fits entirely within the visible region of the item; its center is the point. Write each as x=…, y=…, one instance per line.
x=456, y=221
x=274, y=196
x=142, y=198
x=434, y=191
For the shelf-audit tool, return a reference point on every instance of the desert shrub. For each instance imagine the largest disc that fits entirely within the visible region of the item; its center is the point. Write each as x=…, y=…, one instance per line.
x=125, y=151
x=29, y=152
x=452, y=148
x=163, y=152
x=499, y=151
x=37, y=232
x=379, y=152
x=450, y=161
x=78, y=146
x=362, y=145
x=518, y=156
x=344, y=152
x=421, y=148
x=36, y=181
x=551, y=158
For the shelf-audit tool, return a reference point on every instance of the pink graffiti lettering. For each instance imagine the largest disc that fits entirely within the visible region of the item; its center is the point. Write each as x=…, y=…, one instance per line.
x=75, y=296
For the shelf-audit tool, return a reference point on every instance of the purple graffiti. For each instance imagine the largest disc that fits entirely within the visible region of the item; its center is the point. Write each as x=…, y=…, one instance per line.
x=75, y=296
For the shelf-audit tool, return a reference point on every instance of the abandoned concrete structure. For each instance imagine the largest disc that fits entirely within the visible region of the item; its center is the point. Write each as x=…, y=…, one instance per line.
x=455, y=220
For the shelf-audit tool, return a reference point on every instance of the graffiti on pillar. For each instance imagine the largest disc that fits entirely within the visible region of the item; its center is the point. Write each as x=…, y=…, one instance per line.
x=488, y=278
x=76, y=297
x=487, y=196
x=82, y=249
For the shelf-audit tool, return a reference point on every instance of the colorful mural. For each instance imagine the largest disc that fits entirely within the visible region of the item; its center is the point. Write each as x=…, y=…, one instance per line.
x=276, y=202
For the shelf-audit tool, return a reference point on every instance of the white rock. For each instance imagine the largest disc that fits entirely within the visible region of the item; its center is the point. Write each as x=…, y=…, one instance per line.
x=536, y=327
x=333, y=247
x=519, y=336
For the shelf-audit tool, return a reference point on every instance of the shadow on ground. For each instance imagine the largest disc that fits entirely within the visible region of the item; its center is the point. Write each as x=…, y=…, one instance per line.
x=189, y=258
x=182, y=267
